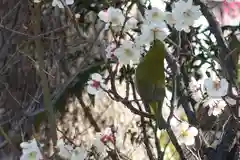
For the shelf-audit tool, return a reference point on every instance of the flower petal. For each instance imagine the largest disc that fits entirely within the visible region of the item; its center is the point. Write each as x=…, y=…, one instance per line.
x=184, y=126
x=208, y=83
x=90, y=82
x=103, y=15
x=96, y=77
x=103, y=85
x=78, y=153
x=230, y=101
x=210, y=111
x=193, y=131
x=214, y=93
x=131, y=23
x=216, y=111
x=64, y=150
x=189, y=141
x=174, y=122
x=69, y=2
x=91, y=90
x=221, y=104
x=24, y=145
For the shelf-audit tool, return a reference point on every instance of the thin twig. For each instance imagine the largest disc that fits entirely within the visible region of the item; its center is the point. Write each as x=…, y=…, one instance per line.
x=7, y=138
x=73, y=19
x=32, y=37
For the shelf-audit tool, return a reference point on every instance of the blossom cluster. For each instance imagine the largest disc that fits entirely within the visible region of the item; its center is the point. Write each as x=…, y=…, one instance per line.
x=154, y=26
x=31, y=150
x=216, y=89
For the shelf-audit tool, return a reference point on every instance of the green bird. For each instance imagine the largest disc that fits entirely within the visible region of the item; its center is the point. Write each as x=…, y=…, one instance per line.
x=150, y=81
x=234, y=46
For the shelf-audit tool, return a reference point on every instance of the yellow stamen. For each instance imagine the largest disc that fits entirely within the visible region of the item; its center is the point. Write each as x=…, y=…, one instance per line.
x=128, y=52
x=155, y=15
x=32, y=155
x=216, y=85
x=184, y=133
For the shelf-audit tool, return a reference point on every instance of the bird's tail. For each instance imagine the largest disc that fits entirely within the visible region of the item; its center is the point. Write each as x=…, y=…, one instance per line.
x=156, y=109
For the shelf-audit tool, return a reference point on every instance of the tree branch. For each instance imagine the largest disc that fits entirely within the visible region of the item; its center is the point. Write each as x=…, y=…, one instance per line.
x=215, y=29
x=36, y=18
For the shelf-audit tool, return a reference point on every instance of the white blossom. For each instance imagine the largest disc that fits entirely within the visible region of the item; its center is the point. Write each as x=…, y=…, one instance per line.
x=77, y=16
x=170, y=19
x=155, y=15
x=186, y=134
x=215, y=88
x=30, y=151
x=178, y=116
x=78, y=154
x=127, y=52
x=101, y=138
x=59, y=3
x=230, y=100
x=131, y=23
x=195, y=89
x=96, y=84
x=107, y=136
x=185, y=13
x=152, y=31
x=216, y=106
x=65, y=151
x=97, y=143
x=113, y=16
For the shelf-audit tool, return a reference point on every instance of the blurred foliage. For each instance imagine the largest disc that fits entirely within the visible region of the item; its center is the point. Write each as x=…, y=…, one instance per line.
x=74, y=86
x=166, y=145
